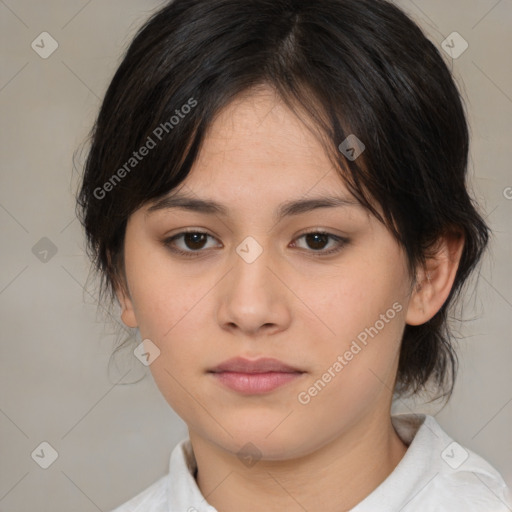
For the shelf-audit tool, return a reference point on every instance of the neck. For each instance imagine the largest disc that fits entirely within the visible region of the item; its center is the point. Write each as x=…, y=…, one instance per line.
x=334, y=478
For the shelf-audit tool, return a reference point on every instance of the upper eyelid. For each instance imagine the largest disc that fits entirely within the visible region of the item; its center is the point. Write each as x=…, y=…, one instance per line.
x=202, y=232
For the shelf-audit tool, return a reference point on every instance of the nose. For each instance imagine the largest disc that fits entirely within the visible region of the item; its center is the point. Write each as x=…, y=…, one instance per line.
x=253, y=298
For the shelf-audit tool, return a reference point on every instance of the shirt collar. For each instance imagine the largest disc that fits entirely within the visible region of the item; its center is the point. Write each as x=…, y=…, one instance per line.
x=183, y=491
x=420, y=431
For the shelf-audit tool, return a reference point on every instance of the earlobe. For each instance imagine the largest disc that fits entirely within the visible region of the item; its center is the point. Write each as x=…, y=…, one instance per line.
x=434, y=281
x=127, y=310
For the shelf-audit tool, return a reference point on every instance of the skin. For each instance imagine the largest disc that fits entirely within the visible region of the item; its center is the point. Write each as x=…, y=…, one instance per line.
x=291, y=303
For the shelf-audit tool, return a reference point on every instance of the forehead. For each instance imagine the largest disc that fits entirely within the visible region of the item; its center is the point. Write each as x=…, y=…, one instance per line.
x=257, y=141
x=259, y=160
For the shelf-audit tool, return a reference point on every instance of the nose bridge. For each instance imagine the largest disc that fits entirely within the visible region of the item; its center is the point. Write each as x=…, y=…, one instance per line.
x=252, y=296
x=250, y=254
x=251, y=276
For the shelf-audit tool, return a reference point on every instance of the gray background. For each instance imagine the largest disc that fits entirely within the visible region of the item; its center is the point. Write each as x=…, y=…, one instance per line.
x=114, y=440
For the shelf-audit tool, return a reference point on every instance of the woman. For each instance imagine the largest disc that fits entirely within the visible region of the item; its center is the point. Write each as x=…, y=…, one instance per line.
x=275, y=194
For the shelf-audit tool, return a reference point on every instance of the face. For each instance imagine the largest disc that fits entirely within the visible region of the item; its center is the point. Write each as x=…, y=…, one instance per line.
x=322, y=289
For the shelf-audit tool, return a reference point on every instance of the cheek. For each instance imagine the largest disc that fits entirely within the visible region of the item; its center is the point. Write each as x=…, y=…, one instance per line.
x=162, y=296
x=352, y=375
x=354, y=302
x=175, y=323
x=172, y=309
x=365, y=313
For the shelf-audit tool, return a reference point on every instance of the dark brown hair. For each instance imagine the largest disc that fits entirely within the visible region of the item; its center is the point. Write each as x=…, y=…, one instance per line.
x=354, y=67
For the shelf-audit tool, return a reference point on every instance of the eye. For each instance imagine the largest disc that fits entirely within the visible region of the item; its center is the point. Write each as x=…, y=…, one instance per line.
x=317, y=240
x=192, y=243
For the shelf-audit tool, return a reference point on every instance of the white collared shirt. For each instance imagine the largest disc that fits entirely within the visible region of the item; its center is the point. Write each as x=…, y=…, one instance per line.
x=436, y=474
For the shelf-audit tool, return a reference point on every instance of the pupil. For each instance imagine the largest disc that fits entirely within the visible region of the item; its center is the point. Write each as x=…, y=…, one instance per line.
x=317, y=236
x=194, y=238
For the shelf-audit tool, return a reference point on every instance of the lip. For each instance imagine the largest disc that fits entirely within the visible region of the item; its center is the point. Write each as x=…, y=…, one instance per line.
x=261, y=365
x=254, y=376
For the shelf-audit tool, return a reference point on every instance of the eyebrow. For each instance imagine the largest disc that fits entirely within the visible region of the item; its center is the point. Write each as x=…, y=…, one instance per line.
x=289, y=208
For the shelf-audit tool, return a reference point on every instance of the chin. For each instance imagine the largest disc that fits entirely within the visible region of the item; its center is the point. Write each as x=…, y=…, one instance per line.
x=263, y=440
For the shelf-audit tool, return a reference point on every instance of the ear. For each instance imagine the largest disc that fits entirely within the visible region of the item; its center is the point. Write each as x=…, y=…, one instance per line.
x=434, y=281
x=127, y=310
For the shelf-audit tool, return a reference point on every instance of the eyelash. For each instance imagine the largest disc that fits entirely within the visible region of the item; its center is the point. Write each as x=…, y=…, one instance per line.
x=168, y=242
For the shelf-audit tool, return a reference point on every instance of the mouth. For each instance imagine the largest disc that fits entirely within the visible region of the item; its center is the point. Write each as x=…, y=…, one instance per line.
x=254, y=377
